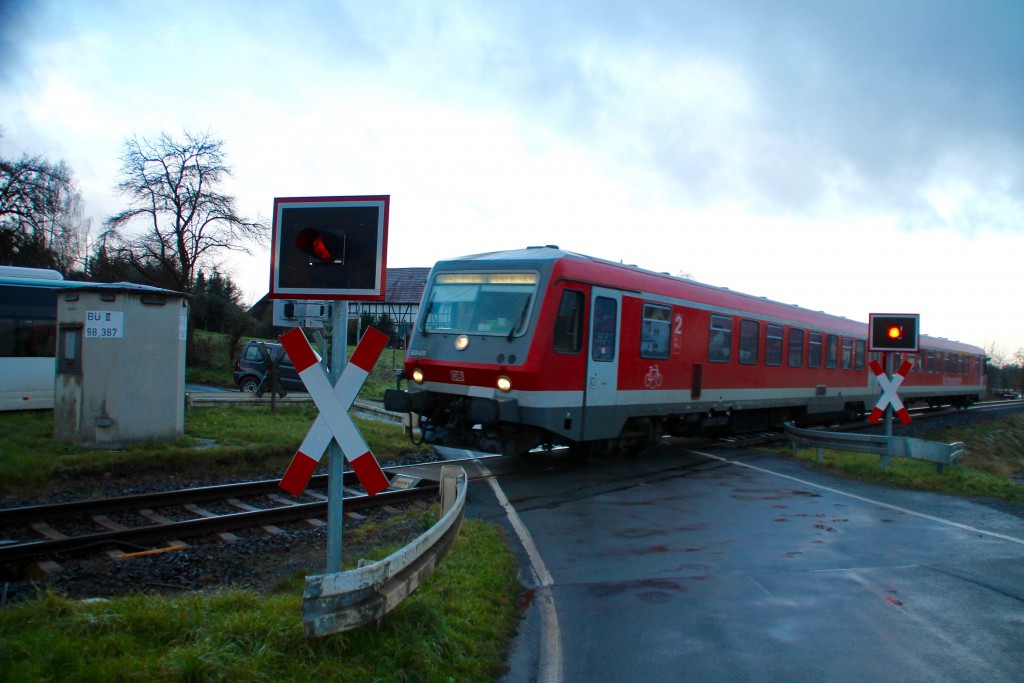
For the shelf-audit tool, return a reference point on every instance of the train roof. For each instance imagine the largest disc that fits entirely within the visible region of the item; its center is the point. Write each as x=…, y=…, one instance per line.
x=712, y=293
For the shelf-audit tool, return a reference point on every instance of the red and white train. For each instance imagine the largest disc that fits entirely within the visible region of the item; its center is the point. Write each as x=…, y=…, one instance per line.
x=540, y=346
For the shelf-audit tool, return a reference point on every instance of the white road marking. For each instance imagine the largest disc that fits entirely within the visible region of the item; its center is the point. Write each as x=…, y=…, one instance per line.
x=550, y=664
x=897, y=508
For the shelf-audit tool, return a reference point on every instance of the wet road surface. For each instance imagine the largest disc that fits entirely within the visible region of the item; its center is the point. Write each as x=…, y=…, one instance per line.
x=683, y=565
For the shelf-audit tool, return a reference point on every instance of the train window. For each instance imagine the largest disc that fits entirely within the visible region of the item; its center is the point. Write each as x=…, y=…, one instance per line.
x=602, y=346
x=860, y=350
x=847, y=353
x=773, y=345
x=480, y=303
x=721, y=339
x=929, y=361
x=750, y=333
x=831, y=351
x=796, y=348
x=568, y=336
x=655, y=332
x=814, y=350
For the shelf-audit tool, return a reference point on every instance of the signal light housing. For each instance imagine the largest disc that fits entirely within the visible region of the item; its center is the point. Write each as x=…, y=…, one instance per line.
x=893, y=332
x=329, y=248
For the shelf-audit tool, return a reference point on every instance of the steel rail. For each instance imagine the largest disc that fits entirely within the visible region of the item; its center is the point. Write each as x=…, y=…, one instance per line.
x=15, y=515
x=21, y=552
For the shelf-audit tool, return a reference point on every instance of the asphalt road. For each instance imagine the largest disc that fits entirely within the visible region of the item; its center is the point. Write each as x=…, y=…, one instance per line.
x=686, y=565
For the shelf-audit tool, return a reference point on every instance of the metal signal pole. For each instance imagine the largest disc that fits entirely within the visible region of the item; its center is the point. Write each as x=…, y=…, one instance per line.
x=338, y=345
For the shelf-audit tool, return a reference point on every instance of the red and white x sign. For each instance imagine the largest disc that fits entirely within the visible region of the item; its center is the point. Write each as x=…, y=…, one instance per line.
x=889, y=387
x=334, y=403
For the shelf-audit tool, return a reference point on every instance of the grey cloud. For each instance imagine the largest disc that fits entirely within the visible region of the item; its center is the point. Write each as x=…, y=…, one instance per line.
x=873, y=91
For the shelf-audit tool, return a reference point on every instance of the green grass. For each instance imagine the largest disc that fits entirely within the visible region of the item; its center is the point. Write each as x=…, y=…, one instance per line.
x=231, y=441
x=456, y=627
x=994, y=453
x=213, y=377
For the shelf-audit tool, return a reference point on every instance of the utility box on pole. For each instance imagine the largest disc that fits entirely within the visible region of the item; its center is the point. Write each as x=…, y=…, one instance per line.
x=120, y=365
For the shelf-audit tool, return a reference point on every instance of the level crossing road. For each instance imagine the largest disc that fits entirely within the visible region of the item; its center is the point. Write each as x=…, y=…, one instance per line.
x=691, y=565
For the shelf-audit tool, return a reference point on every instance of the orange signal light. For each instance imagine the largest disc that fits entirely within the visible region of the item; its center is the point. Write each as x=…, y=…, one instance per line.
x=895, y=332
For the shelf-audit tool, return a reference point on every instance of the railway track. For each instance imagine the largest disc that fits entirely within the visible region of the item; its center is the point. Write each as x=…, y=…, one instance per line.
x=153, y=522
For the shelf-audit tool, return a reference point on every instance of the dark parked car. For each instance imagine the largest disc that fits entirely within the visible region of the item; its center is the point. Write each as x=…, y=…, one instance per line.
x=250, y=369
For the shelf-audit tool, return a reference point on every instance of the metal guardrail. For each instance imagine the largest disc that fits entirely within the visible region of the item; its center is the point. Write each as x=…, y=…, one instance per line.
x=345, y=600
x=885, y=446
x=210, y=399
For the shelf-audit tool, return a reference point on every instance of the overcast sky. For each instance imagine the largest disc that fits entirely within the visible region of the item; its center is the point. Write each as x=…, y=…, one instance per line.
x=853, y=157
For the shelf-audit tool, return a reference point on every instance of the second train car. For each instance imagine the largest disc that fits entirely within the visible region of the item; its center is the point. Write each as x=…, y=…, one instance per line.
x=540, y=346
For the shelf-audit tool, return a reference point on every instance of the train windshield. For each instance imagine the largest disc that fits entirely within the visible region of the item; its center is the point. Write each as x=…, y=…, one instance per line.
x=480, y=303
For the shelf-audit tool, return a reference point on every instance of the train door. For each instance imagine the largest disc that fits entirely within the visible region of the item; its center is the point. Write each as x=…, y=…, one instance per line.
x=602, y=365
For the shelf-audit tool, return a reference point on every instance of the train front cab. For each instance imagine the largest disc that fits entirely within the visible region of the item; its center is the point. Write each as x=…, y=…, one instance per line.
x=476, y=380
x=550, y=380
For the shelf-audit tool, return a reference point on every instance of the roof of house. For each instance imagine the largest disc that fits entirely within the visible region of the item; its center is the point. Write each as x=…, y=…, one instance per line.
x=405, y=285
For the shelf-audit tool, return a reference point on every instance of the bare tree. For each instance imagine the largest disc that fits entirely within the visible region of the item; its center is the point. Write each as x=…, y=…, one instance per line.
x=42, y=223
x=174, y=191
x=996, y=355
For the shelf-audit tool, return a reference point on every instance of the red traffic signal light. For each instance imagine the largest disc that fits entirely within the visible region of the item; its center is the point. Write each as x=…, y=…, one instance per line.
x=326, y=246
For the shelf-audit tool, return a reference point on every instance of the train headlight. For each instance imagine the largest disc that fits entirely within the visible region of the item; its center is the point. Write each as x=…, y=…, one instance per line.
x=504, y=383
x=417, y=376
x=462, y=342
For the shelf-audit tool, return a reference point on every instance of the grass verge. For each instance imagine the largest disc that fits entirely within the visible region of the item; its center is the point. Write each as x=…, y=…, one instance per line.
x=994, y=455
x=456, y=627
x=235, y=441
